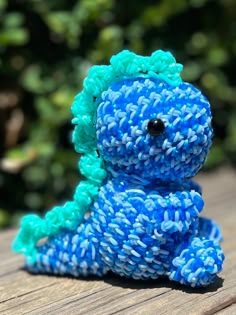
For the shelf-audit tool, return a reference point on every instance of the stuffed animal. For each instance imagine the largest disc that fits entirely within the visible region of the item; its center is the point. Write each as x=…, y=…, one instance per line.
x=142, y=134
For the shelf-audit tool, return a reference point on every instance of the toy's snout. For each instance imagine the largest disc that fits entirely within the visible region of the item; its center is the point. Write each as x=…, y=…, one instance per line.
x=155, y=127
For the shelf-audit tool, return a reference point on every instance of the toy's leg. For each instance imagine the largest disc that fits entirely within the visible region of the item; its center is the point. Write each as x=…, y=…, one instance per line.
x=209, y=229
x=197, y=261
x=70, y=253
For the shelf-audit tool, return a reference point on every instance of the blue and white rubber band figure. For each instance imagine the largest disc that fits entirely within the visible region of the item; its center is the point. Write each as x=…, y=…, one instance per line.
x=142, y=134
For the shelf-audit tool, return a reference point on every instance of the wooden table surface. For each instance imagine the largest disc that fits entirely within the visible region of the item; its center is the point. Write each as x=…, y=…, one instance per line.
x=22, y=293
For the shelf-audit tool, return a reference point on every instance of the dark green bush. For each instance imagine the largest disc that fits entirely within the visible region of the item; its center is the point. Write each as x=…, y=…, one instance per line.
x=46, y=48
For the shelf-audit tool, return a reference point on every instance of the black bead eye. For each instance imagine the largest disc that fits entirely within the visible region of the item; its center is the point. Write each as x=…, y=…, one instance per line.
x=155, y=127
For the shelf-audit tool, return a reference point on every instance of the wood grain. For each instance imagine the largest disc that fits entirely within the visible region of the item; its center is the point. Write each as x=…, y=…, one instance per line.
x=22, y=293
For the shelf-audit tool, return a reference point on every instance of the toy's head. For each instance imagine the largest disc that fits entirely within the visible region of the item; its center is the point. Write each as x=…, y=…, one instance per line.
x=150, y=129
x=141, y=119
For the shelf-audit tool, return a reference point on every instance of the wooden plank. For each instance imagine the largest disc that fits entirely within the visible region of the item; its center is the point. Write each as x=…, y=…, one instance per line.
x=162, y=296
x=9, y=262
x=231, y=310
x=22, y=293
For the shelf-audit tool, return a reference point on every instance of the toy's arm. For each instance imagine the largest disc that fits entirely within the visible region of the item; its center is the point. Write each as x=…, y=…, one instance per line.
x=179, y=211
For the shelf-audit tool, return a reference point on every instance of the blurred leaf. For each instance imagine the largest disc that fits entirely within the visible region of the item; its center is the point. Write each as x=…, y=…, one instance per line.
x=110, y=41
x=13, y=20
x=157, y=15
x=14, y=36
x=20, y=153
x=33, y=200
x=3, y=4
x=45, y=149
x=16, y=159
x=217, y=56
x=63, y=98
x=51, y=114
x=35, y=174
x=33, y=81
x=198, y=3
x=58, y=21
x=4, y=218
x=192, y=71
x=199, y=41
x=213, y=80
x=45, y=109
x=68, y=157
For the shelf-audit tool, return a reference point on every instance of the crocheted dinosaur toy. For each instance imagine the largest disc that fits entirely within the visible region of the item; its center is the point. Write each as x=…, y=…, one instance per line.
x=142, y=133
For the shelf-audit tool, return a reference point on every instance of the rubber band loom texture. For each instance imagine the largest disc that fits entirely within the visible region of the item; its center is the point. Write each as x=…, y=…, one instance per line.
x=142, y=134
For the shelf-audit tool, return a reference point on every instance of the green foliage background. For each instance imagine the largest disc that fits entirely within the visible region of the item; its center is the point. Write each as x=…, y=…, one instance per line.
x=46, y=48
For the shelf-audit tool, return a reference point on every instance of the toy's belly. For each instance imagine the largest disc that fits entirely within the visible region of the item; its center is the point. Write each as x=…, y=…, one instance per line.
x=136, y=239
